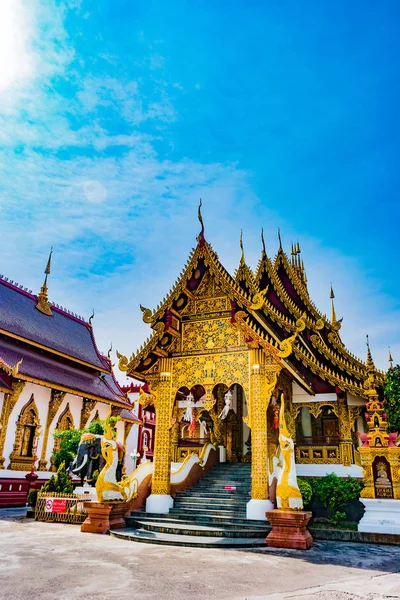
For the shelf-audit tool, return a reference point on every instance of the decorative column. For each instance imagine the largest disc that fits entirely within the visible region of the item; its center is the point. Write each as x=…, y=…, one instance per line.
x=263, y=378
x=9, y=402
x=56, y=399
x=160, y=500
x=345, y=424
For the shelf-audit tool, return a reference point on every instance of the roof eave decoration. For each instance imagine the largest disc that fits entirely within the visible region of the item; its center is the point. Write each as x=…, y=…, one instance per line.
x=9, y=369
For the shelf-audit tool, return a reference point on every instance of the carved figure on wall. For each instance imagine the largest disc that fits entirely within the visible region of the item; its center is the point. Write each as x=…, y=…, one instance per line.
x=382, y=479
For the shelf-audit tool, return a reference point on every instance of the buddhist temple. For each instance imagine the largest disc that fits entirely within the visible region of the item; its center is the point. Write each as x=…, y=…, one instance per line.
x=226, y=350
x=52, y=376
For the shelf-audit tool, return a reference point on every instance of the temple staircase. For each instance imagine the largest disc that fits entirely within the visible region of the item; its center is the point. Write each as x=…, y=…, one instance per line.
x=206, y=515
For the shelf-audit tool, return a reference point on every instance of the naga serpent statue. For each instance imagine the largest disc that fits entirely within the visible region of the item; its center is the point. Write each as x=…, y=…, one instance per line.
x=288, y=495
x=107, y=486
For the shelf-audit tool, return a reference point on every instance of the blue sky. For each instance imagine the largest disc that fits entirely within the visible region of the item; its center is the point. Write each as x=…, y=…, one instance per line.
x=115, y=117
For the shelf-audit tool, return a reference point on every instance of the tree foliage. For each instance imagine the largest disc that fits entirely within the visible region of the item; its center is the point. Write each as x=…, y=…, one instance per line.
x=335, y=492
x=305, y=490
x=392, y=398
x=59, y=482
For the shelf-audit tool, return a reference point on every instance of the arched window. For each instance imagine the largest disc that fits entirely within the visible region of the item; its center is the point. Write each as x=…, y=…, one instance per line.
x=27, y=427
x=65, y=422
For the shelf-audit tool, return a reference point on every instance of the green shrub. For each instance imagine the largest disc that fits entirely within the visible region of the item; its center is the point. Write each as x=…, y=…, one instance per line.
x=335, y=492
x=59, y=482
x=305, y=490
x=32, y=498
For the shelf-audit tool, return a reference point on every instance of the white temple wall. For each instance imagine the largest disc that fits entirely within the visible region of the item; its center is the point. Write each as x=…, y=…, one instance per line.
x=42, y=396
x=355, y=400
x=306, y=425
x=103, y=410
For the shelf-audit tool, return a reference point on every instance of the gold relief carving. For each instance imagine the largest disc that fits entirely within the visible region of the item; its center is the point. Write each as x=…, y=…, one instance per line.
x=214, y=333
x=163, y=402
x=263, y=380
x=10, y=400
x=87, y=407
x=21, y=456
x=318, y=455
x=228, y=368
x=55, y=401
x=211, y=305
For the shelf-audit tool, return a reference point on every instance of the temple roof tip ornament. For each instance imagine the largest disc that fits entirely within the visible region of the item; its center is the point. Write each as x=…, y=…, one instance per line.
x=390, y=358
x=280, y=240
x=147, y=315
x=370, y=363
x=242, y=260
x=91, y=318
x=43, y=304
x=200, y=238
x=263, y=242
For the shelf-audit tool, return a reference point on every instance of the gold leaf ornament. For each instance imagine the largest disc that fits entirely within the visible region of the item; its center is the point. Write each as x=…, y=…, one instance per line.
x=147, y=315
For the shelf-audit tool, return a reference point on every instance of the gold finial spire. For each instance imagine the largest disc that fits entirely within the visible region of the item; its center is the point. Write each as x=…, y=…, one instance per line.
x=263, y=241
x=43, y=303
x=200, y=237
x=390, y=358
x=332, y=297
x=370, y=362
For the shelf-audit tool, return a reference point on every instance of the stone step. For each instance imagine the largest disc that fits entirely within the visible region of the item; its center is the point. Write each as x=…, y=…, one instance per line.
x=225, y=522
x=201, y=503
x=208, y=512
x=214, y=494
x=152, y=537
x=190, y=528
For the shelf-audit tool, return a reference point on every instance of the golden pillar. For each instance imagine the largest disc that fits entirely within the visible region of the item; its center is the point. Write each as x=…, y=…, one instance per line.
x=263, y=379
x=56, y=399
x=9, y=402
x=160, y=500
x=345, y=424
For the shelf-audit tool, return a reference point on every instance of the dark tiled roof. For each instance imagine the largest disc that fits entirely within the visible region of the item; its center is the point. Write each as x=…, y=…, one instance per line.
x=127, y=415
x=60, y=332
x=43, y=368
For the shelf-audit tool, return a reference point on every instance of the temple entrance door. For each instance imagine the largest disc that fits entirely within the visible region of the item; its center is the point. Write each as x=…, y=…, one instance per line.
x=229, y=410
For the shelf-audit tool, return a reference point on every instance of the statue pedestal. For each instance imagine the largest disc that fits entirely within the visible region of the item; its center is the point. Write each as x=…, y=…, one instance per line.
x=289, y=529
x=103, y=516
x=381, y=516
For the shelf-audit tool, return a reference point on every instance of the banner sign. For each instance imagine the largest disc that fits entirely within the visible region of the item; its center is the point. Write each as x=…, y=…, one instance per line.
x=56, y=505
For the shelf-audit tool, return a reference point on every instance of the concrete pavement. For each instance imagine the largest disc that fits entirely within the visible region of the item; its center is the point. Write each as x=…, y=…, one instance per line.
x=56, y=562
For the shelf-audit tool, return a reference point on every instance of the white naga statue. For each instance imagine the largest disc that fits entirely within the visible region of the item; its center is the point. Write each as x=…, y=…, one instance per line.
x=107, y=486
x=228, y=405
x=288, y=495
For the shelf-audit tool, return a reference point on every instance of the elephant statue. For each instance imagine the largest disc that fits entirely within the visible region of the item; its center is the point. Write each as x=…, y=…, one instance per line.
x=89, y=458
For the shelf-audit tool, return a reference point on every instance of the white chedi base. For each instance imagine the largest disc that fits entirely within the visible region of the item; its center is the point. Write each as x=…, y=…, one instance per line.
x=159, y=503
x=256, y=509
x=381, y=516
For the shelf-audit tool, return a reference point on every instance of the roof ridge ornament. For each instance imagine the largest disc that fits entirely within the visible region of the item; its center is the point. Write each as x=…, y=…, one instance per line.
x=242, y=259
x=263, y=242
x=200, y=238
x=280, y=240
x=43, y=303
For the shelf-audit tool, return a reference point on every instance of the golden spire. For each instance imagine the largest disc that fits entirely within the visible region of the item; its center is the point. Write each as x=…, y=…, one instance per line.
x=390, y=358
x=370, y=362
x=332, y=297
x=242, y=260
x=200, y=237
x=43, y=303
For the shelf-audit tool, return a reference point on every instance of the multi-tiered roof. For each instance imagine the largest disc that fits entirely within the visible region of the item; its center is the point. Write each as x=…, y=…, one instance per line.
x=274, y=304
x=43, y=343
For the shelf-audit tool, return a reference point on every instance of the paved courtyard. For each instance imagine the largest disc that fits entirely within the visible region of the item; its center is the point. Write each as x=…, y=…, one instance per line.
x=52, y=561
